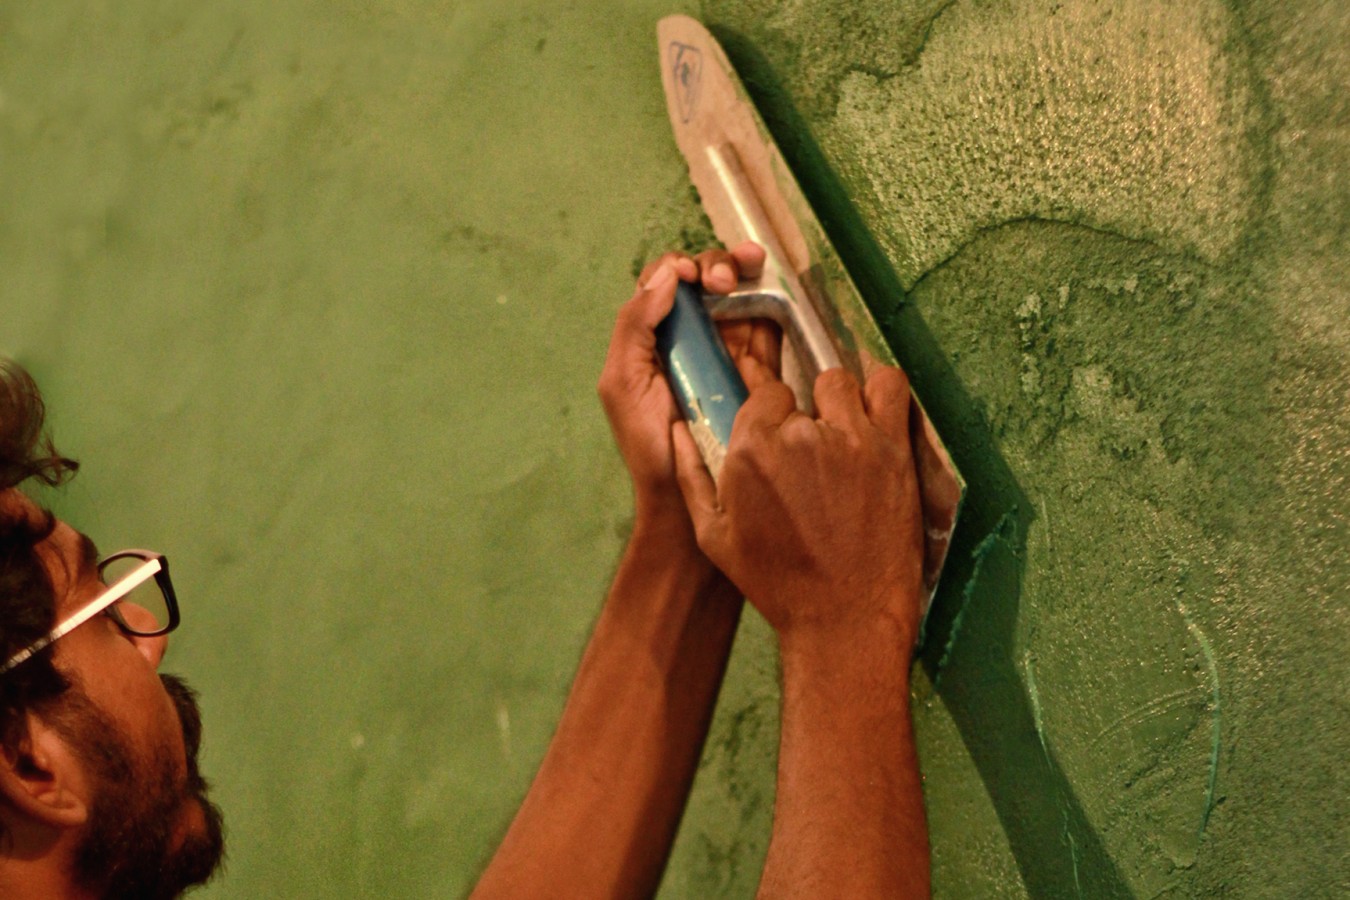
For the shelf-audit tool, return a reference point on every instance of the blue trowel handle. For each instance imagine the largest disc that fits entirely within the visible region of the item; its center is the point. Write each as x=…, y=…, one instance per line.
x=701, y=373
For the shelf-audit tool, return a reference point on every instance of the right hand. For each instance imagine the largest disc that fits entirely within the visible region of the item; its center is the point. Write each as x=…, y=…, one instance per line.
x=816, y=519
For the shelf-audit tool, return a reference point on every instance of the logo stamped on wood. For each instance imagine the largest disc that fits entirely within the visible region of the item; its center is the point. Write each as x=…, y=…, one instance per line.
x=686, y=68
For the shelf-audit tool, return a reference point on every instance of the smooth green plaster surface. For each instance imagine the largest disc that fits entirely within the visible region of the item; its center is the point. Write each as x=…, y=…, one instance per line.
x=319, y=293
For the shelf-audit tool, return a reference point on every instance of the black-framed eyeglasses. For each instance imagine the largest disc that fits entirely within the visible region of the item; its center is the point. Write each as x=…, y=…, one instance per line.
x=139, y=597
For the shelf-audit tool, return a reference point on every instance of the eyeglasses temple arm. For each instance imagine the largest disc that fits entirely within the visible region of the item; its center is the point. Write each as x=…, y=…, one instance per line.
x=124, y=586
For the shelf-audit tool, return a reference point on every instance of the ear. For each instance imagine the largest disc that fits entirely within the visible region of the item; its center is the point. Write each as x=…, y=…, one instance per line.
x=41, y=778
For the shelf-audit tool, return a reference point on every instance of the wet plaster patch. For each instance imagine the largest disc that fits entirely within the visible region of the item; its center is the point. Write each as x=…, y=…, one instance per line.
x=1128, y=117
x=951, y=116
x=1102, y=368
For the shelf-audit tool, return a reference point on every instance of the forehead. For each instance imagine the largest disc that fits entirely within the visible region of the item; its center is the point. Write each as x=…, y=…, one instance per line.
x=14, y=504
x=69, y=556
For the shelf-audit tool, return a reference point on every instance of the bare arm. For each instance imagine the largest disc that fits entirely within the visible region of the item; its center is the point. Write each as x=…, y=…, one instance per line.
x=817, y=520
x=849, y=819
x=603, y=810
x=602, y=813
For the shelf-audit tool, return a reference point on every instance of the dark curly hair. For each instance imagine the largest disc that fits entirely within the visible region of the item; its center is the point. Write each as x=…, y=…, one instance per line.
x=27, y=598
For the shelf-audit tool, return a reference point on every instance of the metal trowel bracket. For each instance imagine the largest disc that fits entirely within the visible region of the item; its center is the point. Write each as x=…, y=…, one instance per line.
x=778, y=294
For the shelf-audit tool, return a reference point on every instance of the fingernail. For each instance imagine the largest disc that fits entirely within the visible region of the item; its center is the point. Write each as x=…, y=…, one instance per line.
x=723, y=271
x=661, y=278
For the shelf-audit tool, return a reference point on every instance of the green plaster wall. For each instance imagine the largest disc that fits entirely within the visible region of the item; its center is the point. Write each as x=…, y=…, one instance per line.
x=319, y=292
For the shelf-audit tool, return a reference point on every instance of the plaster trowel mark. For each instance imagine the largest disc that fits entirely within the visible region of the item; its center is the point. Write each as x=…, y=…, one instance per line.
x=1143, y=712
x=1005, y=530
x=686, y=68
x=1034, y=695
x=1216, y=713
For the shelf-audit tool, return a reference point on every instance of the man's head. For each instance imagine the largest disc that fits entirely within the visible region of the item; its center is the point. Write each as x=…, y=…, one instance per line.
x=99, y=788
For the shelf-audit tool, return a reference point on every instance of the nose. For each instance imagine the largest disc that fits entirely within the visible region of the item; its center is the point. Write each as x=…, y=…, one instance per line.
x=141, y=619
x=152, y=648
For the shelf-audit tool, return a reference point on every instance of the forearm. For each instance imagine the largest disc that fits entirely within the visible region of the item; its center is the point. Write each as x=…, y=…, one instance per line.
x=849, y=818
x=602, y=812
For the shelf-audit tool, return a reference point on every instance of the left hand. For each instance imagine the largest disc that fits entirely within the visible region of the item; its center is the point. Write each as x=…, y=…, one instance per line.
x=633, y=388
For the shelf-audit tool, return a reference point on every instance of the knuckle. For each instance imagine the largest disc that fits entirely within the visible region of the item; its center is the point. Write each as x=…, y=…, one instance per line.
x=630, y=316
x=888, y=380
x=800, y=428
x=837, y=381
x=671, y=257
x=675, y=257
x=778, y=392
x=626, y=311
x=613, y=385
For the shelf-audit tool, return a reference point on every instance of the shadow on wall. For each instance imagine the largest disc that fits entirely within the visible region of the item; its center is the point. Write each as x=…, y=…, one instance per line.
x=1057, y=850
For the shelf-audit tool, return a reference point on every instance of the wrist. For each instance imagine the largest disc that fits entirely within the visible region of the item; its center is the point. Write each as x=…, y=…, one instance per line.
x=878, y=647
x=665, y=584
x=660, y=503
x=663, y=539
x=873, y=610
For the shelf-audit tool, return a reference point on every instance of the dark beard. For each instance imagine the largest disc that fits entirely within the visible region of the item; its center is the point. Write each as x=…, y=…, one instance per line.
x=128, y=850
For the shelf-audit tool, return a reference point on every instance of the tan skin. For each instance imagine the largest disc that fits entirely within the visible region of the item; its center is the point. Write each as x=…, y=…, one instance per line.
x=817, y=520
x=46, y=790
x=633, y=388
x=600, y=817
x=817, y=523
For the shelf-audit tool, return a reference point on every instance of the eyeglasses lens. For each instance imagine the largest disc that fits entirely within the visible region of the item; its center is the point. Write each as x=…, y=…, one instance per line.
x=144, y=610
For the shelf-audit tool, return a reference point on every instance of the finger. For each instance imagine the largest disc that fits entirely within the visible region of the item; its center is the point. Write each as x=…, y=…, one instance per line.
x=749, y=258
x=736, y=335
x=766, y=344
x=754, y=346
x=652, y=302
x=631, y=357
x=697, y=486
x=754, y=373
x=839, y=401
x=760, y=338
x=719, y=271
x=768, y=406
x=888, y=402
x=684, y=265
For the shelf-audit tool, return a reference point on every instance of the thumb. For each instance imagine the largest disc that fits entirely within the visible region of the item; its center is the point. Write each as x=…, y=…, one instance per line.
x=656, y=296
x=697, y=486
x=634, y=339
